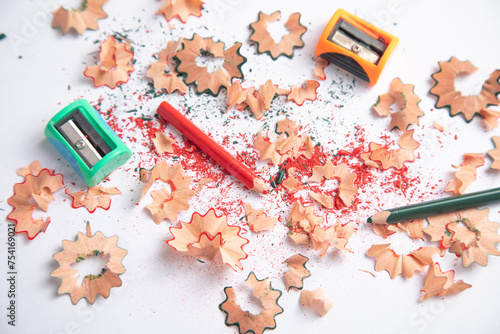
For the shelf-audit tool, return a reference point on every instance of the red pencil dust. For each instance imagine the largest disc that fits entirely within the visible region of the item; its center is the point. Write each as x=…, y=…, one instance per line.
x=210, y=147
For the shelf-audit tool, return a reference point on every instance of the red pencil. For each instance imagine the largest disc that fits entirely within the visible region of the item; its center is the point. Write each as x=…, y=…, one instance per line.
x=210, y=147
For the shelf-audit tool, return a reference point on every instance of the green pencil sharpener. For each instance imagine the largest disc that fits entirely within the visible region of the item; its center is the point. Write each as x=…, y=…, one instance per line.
x=86, y=141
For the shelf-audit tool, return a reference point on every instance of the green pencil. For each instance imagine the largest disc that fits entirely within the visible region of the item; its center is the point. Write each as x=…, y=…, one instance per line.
x=436, y=207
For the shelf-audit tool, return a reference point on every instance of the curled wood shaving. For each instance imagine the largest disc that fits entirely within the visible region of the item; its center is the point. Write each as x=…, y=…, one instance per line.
x=405, y=96
x=317, y=300
x=438, y=126
x=209, y=235
x=291, y=183
x=387, y=259
x=181, y=9
x=166, y=173
x=115, y=64
x=249, y=322
x=79, y=19
x=166, y=205
x=266, y=44
x=449, y=97
x=297, y=272
x=285, y=146
x=468, y=233
x=170, y=82
x=93, y=198
x=381, y=157
x=203, y=181
x=438, y=283
x=205, y=81
x=258, y=220
x=305, y=92
x=319, y=69
x=36, y=191
x=490, y=118
x=466, y=173
x=79, y=250
x=322, y=239
x=324, y=200
x=259, y=101
x=495, y=153
x=163, y=143
x=414, y=229
x=328, y=171
x=301, y=222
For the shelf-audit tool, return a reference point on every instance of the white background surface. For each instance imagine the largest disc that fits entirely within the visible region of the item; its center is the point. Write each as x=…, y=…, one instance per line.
x=167, y=292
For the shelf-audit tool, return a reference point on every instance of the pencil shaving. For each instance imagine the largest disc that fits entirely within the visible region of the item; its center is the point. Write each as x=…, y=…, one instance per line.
x=301, y=222
x=308, y=91
x=324, y=238
x=490, y=118
x=207, y=236
x=438, y=283
x=404, y=96
x=414, y=229
x=210, y=81
x=382, y=157
x=163, y=143
x=79, y=19
x=166, y=64
x=290, y=182
x=317, y=300
x=297, y=272
x=466, y=173
x=319, y=69
x=266, y=44
x=249, y=322
x=258, y=220
x=346, y=187
x=36, y=191
x=181, y=9
x=468, y=233
x=93, y=198
x=396, y=264
x=284, y=147
x=449, y=97
x=115, y=64
x=173, y=175
x=495, y=153
x=167, y=204
x=79, y=250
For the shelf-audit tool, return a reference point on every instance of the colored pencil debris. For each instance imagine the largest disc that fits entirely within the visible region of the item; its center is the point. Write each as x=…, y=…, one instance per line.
x=346, y=187
x=297, y=272
x=403, y=95
x=181, y=9
x=93, y=198
x=92, y=285
x=208, y=79
x=36, y=191
x=466, y=173
x=115, y=64
x=316, y=300
x=208, y=236
x=163, y=143
x=245, y=320
x=457, y=103
x=468, y=234
x=265, y=42
x=307, y=91
x=81, y=19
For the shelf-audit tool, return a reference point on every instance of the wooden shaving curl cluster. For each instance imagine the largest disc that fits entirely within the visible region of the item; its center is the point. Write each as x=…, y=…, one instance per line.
x=79, y=19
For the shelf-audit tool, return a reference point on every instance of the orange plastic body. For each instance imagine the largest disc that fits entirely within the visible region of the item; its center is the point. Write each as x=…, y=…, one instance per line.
x=372, y=71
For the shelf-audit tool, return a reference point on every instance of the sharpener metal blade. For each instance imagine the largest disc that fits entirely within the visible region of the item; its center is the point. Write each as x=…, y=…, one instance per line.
x=80, y=143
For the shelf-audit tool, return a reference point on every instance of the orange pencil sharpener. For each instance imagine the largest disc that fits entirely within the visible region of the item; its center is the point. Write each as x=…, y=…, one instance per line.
x=356, y=46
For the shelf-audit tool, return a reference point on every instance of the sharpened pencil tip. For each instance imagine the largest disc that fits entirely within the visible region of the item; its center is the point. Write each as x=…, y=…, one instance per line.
x=379, y=218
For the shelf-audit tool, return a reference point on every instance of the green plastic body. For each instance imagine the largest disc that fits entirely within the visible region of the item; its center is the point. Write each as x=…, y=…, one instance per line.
x=119, y=154
x=448, y=204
